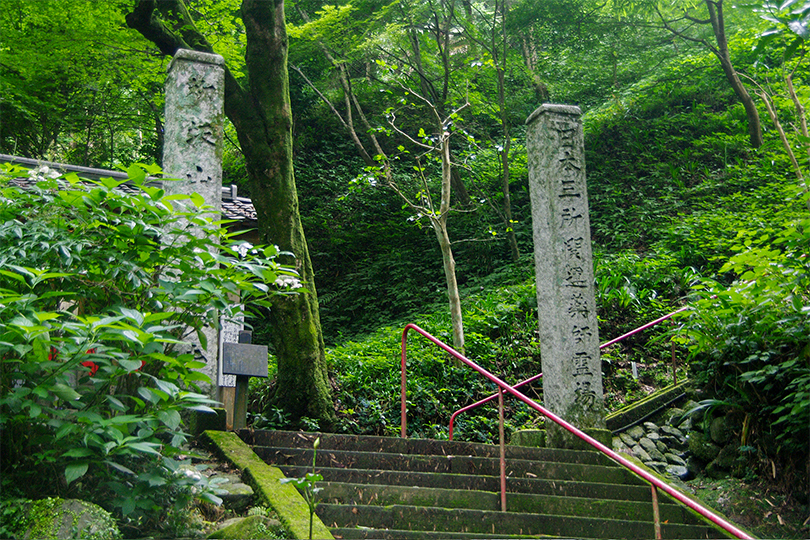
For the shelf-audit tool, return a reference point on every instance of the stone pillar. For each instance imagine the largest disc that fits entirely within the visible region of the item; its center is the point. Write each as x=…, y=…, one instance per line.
x=566, y=304
x=192, y=152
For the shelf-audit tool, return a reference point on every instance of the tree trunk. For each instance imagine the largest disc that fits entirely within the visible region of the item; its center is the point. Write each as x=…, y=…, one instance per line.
x=752, y=114
x=439, y=223
x=262, y=117
x=449, y=265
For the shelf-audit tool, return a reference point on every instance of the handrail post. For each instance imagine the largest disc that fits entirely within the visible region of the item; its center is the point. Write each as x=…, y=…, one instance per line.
x=503, y=449
x=656, y=513
x=674, y=365
x=404, y=414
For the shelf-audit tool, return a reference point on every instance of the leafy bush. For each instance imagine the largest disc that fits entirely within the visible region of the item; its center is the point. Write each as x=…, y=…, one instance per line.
x=100, y=290
x=751, y=338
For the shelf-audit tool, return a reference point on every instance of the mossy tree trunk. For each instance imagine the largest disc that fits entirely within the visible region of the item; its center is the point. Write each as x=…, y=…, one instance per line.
x=260, y=112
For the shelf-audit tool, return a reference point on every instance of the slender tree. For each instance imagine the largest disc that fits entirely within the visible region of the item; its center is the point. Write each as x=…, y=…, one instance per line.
x=259, y=108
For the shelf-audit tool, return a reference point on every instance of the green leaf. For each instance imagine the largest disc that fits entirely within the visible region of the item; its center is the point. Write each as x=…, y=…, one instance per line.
x=75, y=471
x=78, y=452
x=65, y=392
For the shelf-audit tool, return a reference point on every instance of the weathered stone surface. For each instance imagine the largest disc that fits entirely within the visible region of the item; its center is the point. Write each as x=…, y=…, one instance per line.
x=656, y=455
x=720, y=430
x=641, y=454
x=652, y=435
x=529, y=437
x=572, y=371
x=727, y=456
x=675, y=432
x=674, y=459
x=671, y=441
x=656, y=465
x=618, y=445
x=249, y=528
x=192, y=153
x=647, y=445
x=663, y=448
x=701, y=448
x=712, y=470
x=62, y=519
x=651, y=428
x=636, y=432
x=237, y=496
x=678, y=471
x=627, y=439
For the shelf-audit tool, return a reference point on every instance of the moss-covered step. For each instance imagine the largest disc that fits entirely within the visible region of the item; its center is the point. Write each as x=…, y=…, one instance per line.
x=265, y=480
x=453, y=464
x=382, y=495
x=398, y=445
x=538, y=485
x=452, y=521
x=640, y=410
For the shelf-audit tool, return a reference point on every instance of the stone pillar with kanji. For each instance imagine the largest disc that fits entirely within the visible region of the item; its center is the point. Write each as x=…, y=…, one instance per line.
x=192, y=153
x=569, y=338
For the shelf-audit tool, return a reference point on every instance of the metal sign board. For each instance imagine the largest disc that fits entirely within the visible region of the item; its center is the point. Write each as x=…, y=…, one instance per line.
x=244, y=359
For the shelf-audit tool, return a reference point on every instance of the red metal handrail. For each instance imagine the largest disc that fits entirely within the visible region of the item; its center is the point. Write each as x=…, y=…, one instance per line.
x=485, y=400
x=540, y=375
x=654, y=481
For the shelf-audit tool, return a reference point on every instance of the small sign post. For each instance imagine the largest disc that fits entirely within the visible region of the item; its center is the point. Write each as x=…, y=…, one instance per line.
x=245, y=361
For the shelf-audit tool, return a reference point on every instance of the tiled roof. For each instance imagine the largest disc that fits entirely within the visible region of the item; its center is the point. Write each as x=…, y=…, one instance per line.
x=233, y=207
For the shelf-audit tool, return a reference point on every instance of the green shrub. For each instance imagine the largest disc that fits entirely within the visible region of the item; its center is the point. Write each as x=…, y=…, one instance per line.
x=750, y=340
x=100, y=291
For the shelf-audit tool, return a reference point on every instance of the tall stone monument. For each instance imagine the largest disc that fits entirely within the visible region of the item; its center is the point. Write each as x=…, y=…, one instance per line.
x=566, y=304
x=192, y=152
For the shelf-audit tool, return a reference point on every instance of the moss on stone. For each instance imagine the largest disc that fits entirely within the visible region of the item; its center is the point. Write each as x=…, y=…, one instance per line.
x=287, y=502
x=529, y=437
x=59, y=519
x=250, y=528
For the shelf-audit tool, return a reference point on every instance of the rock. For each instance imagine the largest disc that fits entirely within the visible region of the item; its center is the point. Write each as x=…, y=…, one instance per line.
x=641, y=454
x=663, y=448
x=678, y=471
x=658, y=466
x=618, y=445
x=694, y=465
x=655, y=455
x=249, y=528
x=636, y=432
x=529, y=437
x=627, y=439
x=647, y=445
x=237, y=496
x=653, y=436
x=712, y=470
x=675, y=460
x=720, y=430
x=62, y=519
x=728, y=456
x=674, y=432
x=674, y=443
x=651, y=428
x=701, y=448
x=673, y=416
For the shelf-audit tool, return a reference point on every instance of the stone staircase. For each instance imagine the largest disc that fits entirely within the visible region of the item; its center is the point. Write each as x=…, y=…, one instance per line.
x=391, y=488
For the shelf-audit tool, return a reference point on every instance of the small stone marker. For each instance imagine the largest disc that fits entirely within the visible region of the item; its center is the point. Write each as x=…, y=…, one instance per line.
x=245, y=361
x=566, y=304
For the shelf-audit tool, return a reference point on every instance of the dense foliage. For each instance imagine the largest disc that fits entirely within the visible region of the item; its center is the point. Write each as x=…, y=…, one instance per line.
x=684, y=208
x=100, y=291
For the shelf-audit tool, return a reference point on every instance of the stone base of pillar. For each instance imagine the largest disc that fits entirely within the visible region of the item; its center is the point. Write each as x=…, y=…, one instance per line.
x=557, y=437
